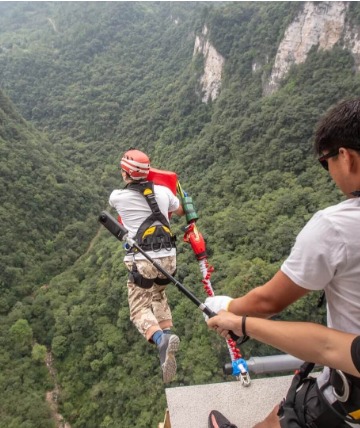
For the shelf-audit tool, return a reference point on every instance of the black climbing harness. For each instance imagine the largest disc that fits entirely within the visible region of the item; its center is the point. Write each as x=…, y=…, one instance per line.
x=151, y=237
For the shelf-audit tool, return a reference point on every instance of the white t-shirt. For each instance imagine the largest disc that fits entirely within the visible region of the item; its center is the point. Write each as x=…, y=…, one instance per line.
x=326, y=255
x=134, y=209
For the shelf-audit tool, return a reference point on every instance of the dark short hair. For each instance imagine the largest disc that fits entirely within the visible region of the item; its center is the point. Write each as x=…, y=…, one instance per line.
x=339, y=127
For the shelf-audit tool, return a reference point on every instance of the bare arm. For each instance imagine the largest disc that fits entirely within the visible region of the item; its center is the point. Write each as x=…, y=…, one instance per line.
x=268, y=299
x=307, y=341
x=179, y=211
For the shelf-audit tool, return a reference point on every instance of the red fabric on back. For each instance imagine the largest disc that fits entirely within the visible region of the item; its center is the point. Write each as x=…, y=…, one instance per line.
x=163, y=178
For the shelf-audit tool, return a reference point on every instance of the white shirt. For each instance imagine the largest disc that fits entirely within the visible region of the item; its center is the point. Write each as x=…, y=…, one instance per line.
x=134, y=209
x=326, y=255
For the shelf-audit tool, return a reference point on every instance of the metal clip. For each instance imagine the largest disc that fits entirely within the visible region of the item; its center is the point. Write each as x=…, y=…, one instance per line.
x=244, y=378
x=345, y=396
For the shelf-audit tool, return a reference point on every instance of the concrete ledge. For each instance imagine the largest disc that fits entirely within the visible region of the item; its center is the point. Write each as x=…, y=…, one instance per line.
x=189, y=406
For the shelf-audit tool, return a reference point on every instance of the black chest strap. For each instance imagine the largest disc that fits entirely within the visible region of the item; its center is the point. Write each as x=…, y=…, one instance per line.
x=146, y=188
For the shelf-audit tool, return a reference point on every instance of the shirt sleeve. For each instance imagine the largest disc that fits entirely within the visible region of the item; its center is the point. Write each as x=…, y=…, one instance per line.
x=174, y=202
x=113, y=198
x=316, y=254
x=355, y=352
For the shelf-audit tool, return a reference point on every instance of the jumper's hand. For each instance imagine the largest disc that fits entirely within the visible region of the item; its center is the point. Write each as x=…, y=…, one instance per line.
x=224, y=322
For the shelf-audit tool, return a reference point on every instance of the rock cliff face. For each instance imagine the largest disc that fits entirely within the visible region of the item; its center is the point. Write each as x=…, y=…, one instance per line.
x=321, y=24
x=352, y=42
x=214, y=62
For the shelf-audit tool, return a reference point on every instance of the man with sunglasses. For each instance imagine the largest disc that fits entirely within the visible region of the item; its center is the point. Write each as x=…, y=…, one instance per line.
x=325, y=256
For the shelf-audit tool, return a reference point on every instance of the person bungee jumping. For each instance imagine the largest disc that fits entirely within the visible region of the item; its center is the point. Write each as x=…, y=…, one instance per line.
x=325, y=256
x=144, y=209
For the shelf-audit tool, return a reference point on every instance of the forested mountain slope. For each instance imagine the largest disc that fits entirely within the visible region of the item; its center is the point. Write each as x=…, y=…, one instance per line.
x=42, y=231
x=89, y=80
x=41, y=203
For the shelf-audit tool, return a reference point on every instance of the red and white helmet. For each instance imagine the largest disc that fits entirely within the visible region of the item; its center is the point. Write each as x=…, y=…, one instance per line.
x=136, y=164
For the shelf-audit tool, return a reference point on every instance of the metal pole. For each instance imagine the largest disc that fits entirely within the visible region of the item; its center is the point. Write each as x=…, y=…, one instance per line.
x=273, y=363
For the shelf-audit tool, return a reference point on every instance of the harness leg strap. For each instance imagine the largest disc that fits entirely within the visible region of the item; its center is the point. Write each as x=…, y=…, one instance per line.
x=164, y=281
x=138, y=279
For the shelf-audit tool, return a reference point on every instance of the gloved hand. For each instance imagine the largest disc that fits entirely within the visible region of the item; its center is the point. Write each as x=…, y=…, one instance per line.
x=217, y=303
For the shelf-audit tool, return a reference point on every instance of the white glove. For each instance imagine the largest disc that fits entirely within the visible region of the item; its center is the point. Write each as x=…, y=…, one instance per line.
x=217, y=303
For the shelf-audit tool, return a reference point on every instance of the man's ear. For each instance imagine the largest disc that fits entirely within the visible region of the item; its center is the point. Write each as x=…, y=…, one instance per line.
x=353, y=158
x=346, y=157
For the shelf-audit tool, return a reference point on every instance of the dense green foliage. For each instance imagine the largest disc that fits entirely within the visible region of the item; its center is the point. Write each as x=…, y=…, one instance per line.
x=89, y=80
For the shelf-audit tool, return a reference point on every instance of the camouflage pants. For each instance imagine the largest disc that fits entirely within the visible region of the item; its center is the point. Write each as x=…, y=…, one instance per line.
x=149, y=309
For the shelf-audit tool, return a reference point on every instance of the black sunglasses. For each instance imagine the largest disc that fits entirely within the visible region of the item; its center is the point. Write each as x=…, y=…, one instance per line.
x=323, y=159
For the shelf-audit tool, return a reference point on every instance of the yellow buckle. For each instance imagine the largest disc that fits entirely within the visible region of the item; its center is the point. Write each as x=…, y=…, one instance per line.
x=149, y=231
x=355, y=414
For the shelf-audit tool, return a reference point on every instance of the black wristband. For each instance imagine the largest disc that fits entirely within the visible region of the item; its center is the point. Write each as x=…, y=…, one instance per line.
x=243, y=326
x=355, y=352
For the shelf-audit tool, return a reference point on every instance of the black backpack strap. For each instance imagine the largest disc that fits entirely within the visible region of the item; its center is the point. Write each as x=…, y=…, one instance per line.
x=146, y=188
x=300, y=375
x=288, y=416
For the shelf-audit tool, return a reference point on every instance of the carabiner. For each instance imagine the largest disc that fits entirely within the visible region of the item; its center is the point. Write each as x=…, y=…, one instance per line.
x=244, y=378
x=345, y=396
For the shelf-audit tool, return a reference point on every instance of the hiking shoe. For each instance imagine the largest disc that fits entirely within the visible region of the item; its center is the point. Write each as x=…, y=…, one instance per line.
x=219, y=421
x=169, y=344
